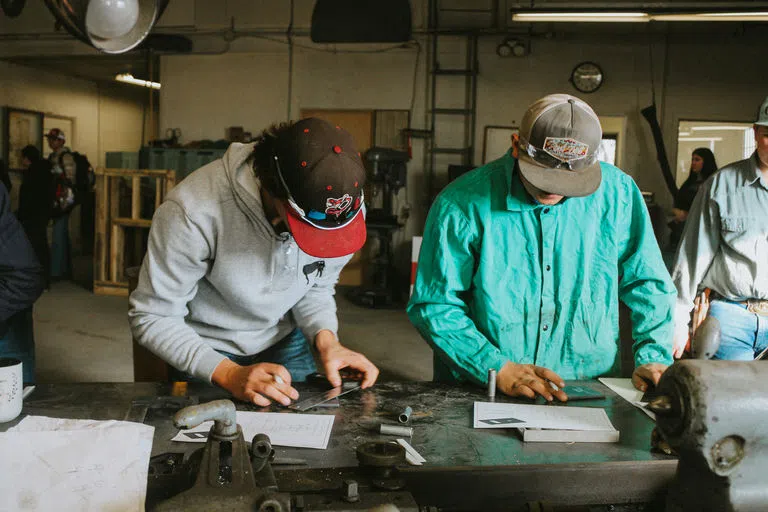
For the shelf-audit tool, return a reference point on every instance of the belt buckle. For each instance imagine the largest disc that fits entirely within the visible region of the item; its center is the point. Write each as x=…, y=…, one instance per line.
x=759, y=307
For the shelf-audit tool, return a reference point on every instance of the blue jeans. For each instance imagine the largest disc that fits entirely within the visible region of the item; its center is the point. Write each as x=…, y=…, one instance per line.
x=60, y=249
x=292, y=352
x=743, y=335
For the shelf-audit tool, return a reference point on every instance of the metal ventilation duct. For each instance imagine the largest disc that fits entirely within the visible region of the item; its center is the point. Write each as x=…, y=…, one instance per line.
x=72, y=15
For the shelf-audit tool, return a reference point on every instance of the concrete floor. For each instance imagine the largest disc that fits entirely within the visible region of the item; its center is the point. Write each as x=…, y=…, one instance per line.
x=81, y=337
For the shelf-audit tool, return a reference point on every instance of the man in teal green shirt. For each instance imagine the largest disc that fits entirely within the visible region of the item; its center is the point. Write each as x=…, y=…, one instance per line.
x=525, y=259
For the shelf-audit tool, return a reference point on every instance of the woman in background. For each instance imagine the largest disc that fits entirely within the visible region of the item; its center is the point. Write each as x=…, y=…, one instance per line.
x=703, y=166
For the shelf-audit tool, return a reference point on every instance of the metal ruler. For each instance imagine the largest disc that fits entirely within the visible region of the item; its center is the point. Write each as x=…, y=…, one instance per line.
x=313, y=399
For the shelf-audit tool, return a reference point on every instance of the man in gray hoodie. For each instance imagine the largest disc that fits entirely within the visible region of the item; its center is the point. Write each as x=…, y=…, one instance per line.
x=242, y=261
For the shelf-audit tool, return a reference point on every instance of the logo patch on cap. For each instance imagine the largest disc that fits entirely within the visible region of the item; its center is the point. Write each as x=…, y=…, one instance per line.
x=565, y=149
x=337, y=206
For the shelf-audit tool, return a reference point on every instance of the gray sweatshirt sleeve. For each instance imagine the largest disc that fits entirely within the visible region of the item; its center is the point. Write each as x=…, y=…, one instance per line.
x=317, y=309
x=178, y=255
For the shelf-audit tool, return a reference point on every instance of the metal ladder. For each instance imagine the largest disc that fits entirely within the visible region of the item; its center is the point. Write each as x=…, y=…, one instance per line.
x=442, y=154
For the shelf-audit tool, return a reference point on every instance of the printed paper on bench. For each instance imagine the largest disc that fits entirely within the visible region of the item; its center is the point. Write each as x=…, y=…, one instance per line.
x=540, y=416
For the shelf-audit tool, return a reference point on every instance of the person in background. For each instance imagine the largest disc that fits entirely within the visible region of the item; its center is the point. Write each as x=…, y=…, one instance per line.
x=5, y=178
x=243, y=259
x=21, y=282
x=63, y=170
x=34, y=211
x=724, y=248
x=703, y=165
x=524, y=261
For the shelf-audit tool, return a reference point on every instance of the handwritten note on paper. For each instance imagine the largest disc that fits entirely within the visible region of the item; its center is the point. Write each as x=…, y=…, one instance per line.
x=283, y=429
x=488, y=414
x=86, y=469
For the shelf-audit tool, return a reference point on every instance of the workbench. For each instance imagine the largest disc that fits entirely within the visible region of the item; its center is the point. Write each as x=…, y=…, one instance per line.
x=466, y=468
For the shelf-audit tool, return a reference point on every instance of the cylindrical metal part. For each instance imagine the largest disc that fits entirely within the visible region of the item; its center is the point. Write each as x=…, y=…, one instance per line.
x=491, y=384
x=395, y=430
x=706, y=341
x=709, y=400
x=405, y=415
x=261, y=451
x=351, y=492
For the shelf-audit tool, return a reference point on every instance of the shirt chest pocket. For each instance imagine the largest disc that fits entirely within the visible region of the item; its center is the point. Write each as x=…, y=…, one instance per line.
x=745, y=235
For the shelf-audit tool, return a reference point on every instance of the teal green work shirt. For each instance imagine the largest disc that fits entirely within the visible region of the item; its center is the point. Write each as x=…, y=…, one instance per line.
x=501, y=278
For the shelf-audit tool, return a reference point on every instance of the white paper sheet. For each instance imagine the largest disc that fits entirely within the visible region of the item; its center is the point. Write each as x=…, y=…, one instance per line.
x=283, y=429
x=626, y=390
x=79, y=465
x=488, y=414
x=45, y=423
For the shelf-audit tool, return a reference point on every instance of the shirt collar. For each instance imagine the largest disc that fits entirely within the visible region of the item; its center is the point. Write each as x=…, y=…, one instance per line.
x=752, y=172
x=517, y=198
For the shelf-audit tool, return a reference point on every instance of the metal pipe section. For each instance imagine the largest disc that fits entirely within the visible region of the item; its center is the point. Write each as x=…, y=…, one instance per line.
x=221, y=412
x=395, y=430
x=405, y=415
x=491, y=384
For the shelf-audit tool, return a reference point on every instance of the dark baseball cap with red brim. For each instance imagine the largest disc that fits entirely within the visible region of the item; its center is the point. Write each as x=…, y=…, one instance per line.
x=324, y=177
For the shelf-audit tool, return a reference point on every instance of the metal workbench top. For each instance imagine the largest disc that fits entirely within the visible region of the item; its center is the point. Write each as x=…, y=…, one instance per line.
x=459, y=458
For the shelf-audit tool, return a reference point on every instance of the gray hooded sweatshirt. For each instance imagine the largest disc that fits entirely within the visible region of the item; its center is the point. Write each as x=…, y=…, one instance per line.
x=216, y=276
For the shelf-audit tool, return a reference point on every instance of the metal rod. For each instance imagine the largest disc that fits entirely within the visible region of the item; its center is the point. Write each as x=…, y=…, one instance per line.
x=405, y=415
x=395, y=430
x=491, y=384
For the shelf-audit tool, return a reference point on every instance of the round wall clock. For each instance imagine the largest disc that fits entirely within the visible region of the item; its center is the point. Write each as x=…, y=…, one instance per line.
x=587, y=77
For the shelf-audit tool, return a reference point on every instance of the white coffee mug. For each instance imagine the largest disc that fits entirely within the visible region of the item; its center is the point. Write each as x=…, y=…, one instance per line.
x=11, y=388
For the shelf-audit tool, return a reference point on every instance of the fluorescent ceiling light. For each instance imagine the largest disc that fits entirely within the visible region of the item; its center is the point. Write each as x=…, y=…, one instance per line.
x=589, y=17
x=700, y=139
x=722, y=127
x=633, y=17
x=683, y=134
x=713, y=16
x=129, y=79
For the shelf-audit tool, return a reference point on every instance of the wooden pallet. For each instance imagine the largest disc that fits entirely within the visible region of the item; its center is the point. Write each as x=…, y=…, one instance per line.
x=126, y=199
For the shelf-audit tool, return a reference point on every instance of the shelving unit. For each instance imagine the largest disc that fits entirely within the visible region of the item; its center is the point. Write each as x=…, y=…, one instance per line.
x=126, y=199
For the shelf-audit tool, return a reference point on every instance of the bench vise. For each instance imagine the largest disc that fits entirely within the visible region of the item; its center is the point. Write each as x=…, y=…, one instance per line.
x=714, y=414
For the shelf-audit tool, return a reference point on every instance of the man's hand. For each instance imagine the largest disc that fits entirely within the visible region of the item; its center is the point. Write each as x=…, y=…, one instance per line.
x=646, y=373
x=335, y=356
x=258, y=383
x=529, y=380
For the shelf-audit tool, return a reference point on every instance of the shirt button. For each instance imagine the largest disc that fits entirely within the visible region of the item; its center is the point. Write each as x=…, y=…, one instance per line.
x=546, y=210
x=546, y=327
x=548, y=267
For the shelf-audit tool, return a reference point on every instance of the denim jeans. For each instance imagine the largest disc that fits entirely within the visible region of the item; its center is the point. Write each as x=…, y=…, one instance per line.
x=743, y=335
x=292, y=352
x=61, y=265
